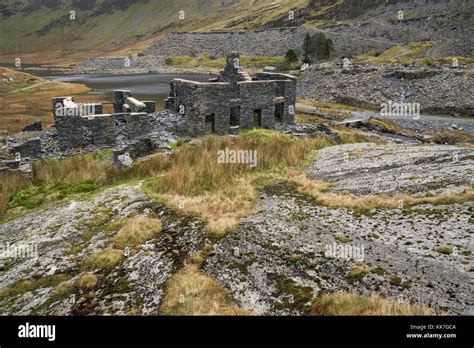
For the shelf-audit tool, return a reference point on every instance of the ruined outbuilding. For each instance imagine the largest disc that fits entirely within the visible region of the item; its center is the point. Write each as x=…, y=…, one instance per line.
x=80, y=125
x=234, y=100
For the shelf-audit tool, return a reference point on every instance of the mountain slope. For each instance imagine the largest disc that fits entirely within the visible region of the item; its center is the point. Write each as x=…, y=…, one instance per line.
x=29, y=26
x=120, y=27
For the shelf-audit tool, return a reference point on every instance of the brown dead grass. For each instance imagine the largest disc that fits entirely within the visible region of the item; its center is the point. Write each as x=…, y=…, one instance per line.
x=221, y=209
x=10, y=182
x=452, y=137
x=86, y=281
x=64, y=288
x=70, y=170
x=191, y=292
x=341, y=303
x=104, y=259
x=316, y=190
x=195, y=170
x=137, y=230
x=386, y=126
x=197, y=184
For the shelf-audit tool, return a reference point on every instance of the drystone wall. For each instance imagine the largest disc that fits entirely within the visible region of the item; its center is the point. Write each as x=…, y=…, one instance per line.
x=109, y=63
x=269, y=43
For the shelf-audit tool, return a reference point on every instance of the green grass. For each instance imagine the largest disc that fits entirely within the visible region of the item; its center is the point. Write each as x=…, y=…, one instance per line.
x=413, y=54
x=36, y=196
x=55, y=180
x=23, y=286
x=446, y=250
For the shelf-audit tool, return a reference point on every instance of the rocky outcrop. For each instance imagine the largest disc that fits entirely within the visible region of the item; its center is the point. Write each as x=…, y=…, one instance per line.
x=284, y=255
x=363, y=169
x=440, y=89
x=277, y=260
x=58, y=237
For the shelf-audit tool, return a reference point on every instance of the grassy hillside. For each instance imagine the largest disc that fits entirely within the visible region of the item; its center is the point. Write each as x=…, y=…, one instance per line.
x=26, y=98
x=45, y=25
x=42, y=31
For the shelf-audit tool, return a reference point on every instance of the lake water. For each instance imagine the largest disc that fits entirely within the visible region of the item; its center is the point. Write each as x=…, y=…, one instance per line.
x=143, y=86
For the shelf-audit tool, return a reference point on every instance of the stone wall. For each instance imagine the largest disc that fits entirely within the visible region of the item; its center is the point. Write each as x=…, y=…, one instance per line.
x=30, y=148
x=285, y=91
x=80, y=127
x=73, y=132
x=264, y=43
x=108, y=63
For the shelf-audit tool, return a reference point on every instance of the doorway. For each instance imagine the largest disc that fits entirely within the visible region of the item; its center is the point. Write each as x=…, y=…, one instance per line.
x=235, y=116
x=210, y=124
x=279, y=107
x=257, y=118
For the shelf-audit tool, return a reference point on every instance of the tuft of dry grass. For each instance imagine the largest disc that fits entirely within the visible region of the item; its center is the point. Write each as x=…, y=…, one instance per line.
x=452, y=137
x=64, y=288
x=198, y=258
x=316, y=190
x=445, y=250
x=191, y=292
x=86, y=281
x=357, y=272
x=386, y=126
x=194, y=169
x=221, y=209
x=350, y=135
x=105, y=259
x=137, y=230
x=97, y=168
x=341, y=303
x=149, y=166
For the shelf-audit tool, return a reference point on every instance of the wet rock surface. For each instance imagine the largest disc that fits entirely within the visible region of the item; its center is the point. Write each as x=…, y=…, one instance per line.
x=65, y=235
x=390, y=169
x=438, y=89
x=291, y=249
x=277, y=260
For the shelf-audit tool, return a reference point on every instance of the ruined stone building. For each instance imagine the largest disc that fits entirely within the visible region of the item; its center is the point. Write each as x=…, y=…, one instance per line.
x=234, y=100
x=80, y=125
